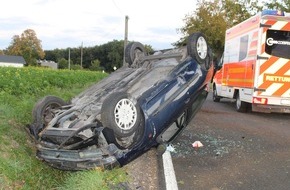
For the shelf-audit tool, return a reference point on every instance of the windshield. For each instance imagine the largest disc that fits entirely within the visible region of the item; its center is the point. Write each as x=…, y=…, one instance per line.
x=278, y=43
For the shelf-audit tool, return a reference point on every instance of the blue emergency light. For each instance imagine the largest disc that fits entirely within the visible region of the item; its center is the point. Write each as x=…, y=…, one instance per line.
x=273, y=12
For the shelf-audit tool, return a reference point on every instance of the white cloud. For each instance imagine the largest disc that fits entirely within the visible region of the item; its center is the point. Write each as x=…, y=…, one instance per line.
x=64, y=23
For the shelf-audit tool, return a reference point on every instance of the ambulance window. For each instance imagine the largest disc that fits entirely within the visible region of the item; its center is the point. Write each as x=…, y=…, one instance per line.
x=278, y=43
x=243, y=47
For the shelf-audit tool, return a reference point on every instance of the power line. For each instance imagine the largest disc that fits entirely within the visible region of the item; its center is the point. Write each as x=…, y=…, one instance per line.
x=118, y=7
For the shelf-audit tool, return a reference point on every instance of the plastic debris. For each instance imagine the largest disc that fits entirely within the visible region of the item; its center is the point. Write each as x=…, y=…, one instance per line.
x=170, y=148
x=197, y=144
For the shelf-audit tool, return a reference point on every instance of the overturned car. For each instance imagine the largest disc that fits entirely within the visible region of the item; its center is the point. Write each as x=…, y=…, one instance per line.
x=141, y=105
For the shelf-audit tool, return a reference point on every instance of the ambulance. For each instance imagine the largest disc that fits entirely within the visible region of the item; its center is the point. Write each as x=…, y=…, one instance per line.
x=255, y=67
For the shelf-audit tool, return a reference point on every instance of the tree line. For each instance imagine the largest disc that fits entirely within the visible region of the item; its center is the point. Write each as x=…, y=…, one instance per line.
x=214, y=17
x=211, y=17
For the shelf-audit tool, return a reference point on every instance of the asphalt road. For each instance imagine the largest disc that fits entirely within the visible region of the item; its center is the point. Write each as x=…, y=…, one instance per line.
x=241, y=150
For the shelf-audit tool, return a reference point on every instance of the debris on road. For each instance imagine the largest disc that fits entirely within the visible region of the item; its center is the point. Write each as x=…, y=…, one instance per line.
x=197, y=144
x=170, y=148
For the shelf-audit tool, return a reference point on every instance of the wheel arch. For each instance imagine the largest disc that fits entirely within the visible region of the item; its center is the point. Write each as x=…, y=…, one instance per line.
x=236, y=92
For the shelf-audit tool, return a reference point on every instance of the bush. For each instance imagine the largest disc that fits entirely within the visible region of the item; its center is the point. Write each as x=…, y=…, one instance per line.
x=20, y=88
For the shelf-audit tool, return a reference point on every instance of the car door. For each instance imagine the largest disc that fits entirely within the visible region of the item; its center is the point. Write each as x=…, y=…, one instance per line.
x=171, y=95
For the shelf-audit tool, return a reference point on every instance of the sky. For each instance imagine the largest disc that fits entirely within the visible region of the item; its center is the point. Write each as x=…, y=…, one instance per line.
x=70, y=23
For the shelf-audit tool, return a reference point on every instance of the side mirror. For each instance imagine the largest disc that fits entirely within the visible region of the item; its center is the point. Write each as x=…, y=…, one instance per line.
x=219, y=64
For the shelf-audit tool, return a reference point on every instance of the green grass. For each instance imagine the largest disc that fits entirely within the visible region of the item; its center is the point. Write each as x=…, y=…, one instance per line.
x=20, y=88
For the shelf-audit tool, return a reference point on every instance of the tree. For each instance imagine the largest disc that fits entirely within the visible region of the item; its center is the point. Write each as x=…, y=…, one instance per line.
x=1, y=52
x=28, y=46
x=63, y=63
x=212, y=18
x=76, y=67
x=109, y=55
x=279, y=5
x=96, y=65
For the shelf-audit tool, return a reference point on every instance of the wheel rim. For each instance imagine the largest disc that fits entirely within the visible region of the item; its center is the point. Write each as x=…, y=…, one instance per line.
x=125, y=114
x=138, y=54
x=201, y=47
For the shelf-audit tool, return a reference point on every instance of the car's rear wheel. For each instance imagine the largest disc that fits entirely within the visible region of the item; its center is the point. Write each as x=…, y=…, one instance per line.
x=44, y=111
x=133, y=51
x=121, y=114
x=198, y=49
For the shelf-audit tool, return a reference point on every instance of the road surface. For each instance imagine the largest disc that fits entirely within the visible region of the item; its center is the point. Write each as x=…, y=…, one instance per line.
x=241, y=150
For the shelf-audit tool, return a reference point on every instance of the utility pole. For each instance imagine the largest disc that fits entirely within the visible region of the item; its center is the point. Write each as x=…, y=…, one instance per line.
x=125, y=38
x=82, y=55
x=68, y=58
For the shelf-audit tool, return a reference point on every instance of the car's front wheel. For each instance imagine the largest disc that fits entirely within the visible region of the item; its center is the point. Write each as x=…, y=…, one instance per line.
x=197, y=48
x=121, y=114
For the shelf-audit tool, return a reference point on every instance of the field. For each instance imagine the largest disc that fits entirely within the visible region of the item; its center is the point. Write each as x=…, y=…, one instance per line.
x=20, y=88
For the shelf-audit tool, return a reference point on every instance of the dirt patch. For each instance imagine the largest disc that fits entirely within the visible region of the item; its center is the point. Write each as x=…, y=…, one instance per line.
x=143, y=172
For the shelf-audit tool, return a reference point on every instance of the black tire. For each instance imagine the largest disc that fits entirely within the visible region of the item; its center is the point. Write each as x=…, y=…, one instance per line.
x=122, y=115
x=241, y=106
x=215, y=97
x=132, y=51
x=197, y=48
x=42, y=112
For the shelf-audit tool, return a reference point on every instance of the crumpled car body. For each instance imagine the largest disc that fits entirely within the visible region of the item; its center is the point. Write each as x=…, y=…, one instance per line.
x=141, y=105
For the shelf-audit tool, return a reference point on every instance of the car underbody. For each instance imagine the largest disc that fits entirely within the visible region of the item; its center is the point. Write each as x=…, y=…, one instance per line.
x=125, y=114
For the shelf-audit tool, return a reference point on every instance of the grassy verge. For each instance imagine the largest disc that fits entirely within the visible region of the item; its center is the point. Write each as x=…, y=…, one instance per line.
x=19, y=169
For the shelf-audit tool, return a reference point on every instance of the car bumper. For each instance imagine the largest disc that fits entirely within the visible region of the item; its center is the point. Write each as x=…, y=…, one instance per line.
x=89, y=158
x=270, y=108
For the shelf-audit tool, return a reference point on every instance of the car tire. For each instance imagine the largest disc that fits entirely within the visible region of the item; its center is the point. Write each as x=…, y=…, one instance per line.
x=132, y=51
x=42, y=112
x=198, y=49
x=122, y=115
x=241, y=106
x=215, y=97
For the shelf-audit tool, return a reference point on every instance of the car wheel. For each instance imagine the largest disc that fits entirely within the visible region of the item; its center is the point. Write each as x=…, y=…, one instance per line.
x=132, y=51
x=197, y=48
x=241, y=106
x=43, y=112
x=122, y=115
x=215, y=97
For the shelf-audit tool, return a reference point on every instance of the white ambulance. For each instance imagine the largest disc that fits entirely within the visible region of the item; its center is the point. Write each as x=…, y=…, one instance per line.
x=255, y=68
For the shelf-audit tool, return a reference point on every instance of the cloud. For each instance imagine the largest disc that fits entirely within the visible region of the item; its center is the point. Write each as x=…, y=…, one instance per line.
x=68, y=23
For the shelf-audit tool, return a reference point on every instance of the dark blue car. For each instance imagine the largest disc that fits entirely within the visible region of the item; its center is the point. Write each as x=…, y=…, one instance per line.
x=146, y=103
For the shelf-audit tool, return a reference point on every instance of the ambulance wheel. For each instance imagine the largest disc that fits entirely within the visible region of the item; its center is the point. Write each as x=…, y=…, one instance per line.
x=134, y=50
x=241, y=106
x=215, y=97
x=197, y=48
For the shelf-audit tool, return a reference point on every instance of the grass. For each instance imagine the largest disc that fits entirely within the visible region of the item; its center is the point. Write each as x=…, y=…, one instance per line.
x=20, y=88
